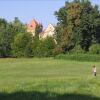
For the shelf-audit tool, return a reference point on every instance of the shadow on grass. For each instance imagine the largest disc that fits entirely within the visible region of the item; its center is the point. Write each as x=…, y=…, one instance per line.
x=44, y=96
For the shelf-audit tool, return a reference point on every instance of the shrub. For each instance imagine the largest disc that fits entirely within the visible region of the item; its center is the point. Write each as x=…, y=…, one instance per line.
x=22, y=45
x=44, y=48
x=77, y=49
x=57, y=50
x=79, y=57
x=95, y=49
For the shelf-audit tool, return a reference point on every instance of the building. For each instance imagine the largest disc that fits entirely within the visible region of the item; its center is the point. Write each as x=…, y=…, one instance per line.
x=48, y=32
x=31, y=26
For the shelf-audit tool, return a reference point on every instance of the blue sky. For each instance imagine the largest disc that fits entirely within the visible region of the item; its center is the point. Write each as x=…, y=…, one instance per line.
x=25, y=10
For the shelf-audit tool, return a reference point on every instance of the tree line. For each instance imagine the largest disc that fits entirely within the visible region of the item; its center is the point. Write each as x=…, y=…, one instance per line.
x=15, y=41
x=77, y=31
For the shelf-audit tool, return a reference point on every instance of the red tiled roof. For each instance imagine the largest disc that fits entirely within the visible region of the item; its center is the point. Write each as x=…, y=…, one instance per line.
x=32, y=25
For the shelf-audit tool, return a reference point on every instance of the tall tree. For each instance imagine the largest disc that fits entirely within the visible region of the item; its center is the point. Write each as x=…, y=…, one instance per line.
x=4, y=37
x=78, y=24
x=90, y=23
x=68, y=19
x=7, y=33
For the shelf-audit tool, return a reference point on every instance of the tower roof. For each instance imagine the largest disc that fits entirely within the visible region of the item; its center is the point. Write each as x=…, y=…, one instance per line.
x=32, y=24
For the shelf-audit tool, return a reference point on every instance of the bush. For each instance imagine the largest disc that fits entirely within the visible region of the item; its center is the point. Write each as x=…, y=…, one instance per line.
x=44, y=48
x=22, y=45
x=57, y=50
x=95, y=49
x=78, y=57
x=77, y=49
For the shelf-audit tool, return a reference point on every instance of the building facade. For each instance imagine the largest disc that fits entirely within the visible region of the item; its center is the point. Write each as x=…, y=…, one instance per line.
x=31, y=26
x=48, y=32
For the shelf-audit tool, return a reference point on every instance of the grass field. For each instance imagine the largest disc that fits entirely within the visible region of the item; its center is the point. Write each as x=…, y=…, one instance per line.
x=48, y=79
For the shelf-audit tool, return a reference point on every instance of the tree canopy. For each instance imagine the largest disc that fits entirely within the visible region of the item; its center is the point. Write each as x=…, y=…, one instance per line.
x=78, y=24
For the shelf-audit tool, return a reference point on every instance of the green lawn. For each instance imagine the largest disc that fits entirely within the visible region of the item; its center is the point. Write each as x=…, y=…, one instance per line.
x=48, y=79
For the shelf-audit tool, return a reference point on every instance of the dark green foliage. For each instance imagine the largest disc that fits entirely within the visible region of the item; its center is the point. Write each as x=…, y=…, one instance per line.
x=68, y=19
x=22, y=45
x=7, y=33
x=44, y=48
x=57, y=50
x=78, y=24
x=5, y=38
x=77, y=50
x=61, y=16
x=34, y=95
x=79, y=57
x=89, y=25
x=18, y=26
x=77, y=31
x=95, y=49
x=39, y=29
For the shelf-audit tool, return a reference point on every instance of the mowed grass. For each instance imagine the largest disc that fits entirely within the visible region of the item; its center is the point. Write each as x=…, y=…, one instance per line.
x=48, y=79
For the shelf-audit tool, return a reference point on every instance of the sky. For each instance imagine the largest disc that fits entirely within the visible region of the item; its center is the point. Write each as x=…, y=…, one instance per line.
x=41, y=10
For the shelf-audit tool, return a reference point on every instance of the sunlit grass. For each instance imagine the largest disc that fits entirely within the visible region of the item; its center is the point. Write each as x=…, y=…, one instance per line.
x=49, y=75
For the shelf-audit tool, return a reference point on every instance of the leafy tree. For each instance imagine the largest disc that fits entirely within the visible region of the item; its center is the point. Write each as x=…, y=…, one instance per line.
x=18, y=26
x=22, y=45
x=78, y=24
x=7, y=33
x=4, y=39
x=68, y=19
x=95, y=49
x=44, y=48
x=38, y=30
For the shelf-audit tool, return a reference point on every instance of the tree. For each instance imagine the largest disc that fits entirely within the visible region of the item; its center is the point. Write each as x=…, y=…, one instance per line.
x=38, y=30
x=7, y=33
x=44, y=48
x=22, y=45
x=68, y=19
x=95, y=49
x=18, y=26
x=90, y=23
x=4, y=39
x=78, y=24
